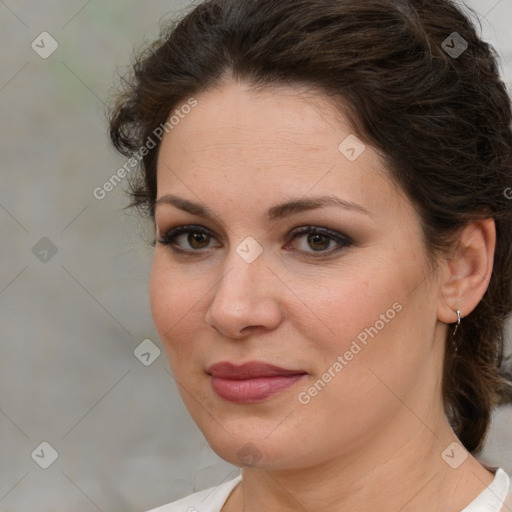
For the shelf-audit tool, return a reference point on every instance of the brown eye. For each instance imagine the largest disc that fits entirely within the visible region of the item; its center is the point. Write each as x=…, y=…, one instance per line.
x=198, y=240
x=187, y=239
x=319, y=242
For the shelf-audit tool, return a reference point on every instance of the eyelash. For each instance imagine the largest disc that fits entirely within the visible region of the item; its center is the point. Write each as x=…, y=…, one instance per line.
x=168, y=238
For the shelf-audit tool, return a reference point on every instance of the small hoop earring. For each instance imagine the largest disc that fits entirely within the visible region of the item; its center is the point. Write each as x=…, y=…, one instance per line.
x=456, y=328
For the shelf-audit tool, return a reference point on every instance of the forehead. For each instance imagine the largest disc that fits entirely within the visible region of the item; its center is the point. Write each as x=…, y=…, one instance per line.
x=235, y=117
x=279, y=140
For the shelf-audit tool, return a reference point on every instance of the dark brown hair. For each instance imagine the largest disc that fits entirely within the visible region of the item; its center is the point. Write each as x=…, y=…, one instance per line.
x=441, y=120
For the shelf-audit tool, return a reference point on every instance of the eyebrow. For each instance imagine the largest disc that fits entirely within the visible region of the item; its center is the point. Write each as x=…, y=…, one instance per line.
x=276, y=212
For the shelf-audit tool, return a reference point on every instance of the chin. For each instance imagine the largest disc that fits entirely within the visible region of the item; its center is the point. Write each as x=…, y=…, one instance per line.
x=255, y=452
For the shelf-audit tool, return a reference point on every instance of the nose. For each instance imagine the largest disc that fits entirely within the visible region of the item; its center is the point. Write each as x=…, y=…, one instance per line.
x=245, y=300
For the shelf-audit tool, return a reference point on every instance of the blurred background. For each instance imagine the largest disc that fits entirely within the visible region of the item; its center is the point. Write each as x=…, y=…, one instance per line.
x=90, y=417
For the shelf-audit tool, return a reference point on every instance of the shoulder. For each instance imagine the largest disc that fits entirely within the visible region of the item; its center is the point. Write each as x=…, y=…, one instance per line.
x=209, y=500
x=496, y=497
x=507, y=503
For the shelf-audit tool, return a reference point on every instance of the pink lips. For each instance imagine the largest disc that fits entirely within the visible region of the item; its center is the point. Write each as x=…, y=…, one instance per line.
x=251, y=382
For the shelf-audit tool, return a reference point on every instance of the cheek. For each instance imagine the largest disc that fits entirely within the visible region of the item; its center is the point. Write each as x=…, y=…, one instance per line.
x=369, y=317
x=344, y=389
x=350, y=305
x=173, y=301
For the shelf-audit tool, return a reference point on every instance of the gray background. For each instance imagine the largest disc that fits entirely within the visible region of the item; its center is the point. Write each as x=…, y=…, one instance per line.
x=69, y=325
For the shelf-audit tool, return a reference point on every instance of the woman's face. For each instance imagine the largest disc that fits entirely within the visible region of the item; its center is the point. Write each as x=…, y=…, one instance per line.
x=295, y=250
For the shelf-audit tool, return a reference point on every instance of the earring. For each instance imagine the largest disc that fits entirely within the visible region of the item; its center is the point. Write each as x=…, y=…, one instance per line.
x=458, y=322
x=456, y=329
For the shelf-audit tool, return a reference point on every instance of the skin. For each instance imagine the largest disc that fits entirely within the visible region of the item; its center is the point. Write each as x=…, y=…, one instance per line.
x=372, y=438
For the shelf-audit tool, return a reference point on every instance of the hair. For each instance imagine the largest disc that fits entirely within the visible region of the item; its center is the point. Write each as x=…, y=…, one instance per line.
x=441, y=120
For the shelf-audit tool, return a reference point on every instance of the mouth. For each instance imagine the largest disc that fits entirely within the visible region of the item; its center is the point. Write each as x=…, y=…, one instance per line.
x=251, y=382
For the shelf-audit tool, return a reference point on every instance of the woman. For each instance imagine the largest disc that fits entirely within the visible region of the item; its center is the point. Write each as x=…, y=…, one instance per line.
x=332, y=263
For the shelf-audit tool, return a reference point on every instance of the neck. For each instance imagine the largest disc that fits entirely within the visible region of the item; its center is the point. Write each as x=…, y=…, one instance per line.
x=409, y=475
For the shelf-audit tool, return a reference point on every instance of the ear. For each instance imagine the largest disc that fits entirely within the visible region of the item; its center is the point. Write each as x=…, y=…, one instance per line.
x=467, y=272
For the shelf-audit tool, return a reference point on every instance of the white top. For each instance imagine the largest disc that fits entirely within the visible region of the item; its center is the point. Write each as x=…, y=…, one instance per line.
x=490, y=499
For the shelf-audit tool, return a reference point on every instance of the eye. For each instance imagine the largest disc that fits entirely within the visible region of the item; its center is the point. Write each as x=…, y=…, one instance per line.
x=187, y=239
x=312, y=241
x=317, y=241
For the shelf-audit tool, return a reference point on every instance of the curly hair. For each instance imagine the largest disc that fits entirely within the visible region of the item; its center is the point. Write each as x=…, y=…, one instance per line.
x=415, y=81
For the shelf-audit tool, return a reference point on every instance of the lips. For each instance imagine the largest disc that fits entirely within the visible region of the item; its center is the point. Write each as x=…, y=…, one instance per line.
x=251, y=382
